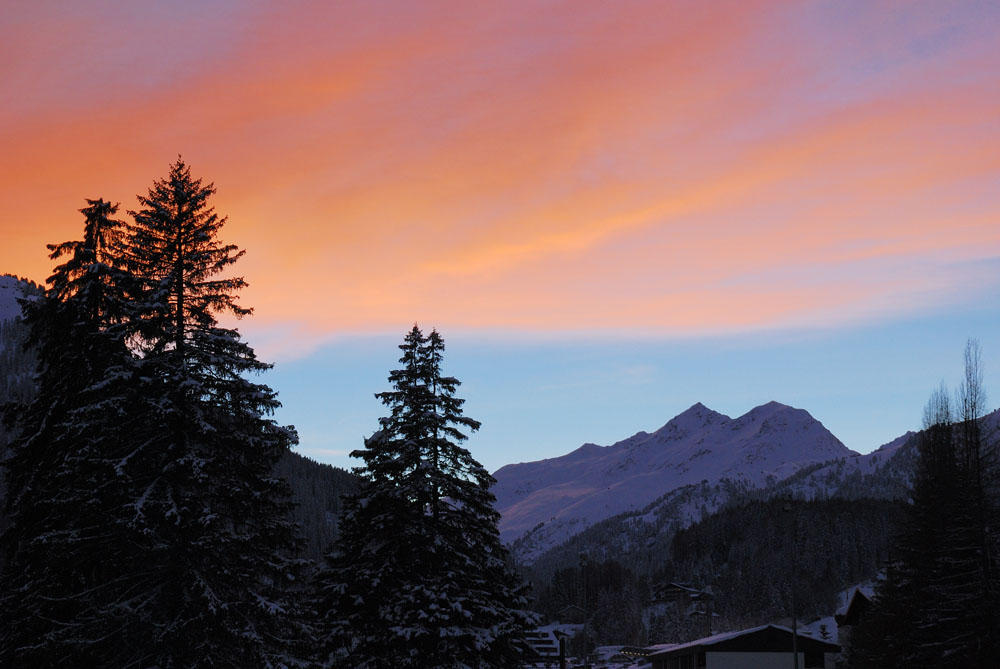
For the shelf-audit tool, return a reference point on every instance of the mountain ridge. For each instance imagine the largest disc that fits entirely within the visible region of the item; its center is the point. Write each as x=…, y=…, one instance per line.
x=594, y=482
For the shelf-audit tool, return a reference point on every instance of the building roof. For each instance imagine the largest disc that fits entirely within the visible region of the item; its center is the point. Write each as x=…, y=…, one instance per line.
x=645, y=651
x=860, y=599
x=756, y=638
x=673, y=589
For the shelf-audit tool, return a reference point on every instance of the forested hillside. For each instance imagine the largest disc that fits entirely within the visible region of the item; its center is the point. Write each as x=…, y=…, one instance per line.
x=735, y=540
x=640, y=539
x=749, y=554
x=742, y=554
x=317, y=489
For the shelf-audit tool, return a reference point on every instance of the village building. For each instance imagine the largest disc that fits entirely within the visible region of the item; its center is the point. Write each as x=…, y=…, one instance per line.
x=548, y=643
x=850, y=615
x=687, y=600
x=765, y=647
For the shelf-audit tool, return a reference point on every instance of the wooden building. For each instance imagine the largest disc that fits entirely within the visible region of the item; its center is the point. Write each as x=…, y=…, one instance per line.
x=765, y=647
x=850, y=615
x=687, y=600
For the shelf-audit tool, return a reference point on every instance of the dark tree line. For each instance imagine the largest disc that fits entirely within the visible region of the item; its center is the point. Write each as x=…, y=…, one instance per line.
x=939, y=604
x=745, y=554
x=317, y=494
x=148, y=518
x=741, y=553
x=604, y=595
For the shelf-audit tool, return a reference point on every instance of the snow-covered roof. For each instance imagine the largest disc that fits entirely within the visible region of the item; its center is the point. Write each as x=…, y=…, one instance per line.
x=815, y=629
x=728, y=636
x=867, y=591
x=569, y=629
x=605, y=653
x=724, y=636
x=662, y=646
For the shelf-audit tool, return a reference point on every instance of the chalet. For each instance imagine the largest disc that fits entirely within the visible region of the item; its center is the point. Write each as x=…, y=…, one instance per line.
x=641, y=653
x=571, y=613
x=543, y=643
x=850, y=615
x=546, y=642
x=765, y=647
x=685, y=602
x=688, y=601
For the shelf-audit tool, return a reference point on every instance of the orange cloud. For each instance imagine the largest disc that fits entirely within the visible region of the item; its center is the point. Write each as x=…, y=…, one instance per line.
x=566, y=166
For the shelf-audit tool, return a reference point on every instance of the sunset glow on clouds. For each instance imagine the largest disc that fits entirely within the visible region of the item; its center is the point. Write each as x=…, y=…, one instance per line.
x=665, y=168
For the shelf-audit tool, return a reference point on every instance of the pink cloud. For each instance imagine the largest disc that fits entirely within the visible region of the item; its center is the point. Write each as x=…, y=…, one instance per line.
x=563, y=166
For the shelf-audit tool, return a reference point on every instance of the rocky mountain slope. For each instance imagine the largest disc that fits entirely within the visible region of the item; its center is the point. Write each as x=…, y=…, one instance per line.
x=12, y=288
x=641, y=538
x=559, y=497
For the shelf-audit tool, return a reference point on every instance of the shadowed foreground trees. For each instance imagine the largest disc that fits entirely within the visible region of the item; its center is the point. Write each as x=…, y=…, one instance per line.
x=938, y=604
x=68, y=554
x=146, y=522
x=146, y=525
x=418, y=577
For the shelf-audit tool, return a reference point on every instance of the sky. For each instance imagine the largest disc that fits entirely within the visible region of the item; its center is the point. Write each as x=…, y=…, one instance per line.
x=610, y=211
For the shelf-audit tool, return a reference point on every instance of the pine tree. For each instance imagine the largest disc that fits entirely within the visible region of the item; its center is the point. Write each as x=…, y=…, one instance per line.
x=937, y=605
x=975, y=579
x=418, y=577
x=912, y=622
x=65, y=586
x=221, y=566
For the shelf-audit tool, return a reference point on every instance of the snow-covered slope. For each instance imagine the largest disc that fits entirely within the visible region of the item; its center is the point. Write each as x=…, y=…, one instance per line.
x=10, y=290
x=879, y=474
x=593, y=482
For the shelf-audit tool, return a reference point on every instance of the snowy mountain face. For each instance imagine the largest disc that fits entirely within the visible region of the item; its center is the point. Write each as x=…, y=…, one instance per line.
x=638, y=535
x=570, y=493
x=10, y=290
x=885, y=473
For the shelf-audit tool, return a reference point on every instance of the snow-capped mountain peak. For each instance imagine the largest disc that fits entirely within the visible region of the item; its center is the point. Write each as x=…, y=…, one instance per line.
x=595, y=482
x=693, y=419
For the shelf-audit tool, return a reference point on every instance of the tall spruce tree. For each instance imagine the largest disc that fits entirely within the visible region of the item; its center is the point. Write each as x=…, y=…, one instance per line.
x=910, y=624
x=418, y=576
x=976, y=580
x=937, y=605
x=65, y=589
x=220, y=569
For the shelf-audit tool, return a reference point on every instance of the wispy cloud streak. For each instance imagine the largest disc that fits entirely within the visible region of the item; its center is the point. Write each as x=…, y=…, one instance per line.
x=659, y=167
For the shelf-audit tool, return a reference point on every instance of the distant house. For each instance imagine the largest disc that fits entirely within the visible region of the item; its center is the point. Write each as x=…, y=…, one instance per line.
x=608, y=656
x=851, y=614
x=681, y=602
x=545, y=641
x=641, y=654
x=689, y=601
x=543, y=644
x=571, y=613
x=765, y=647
